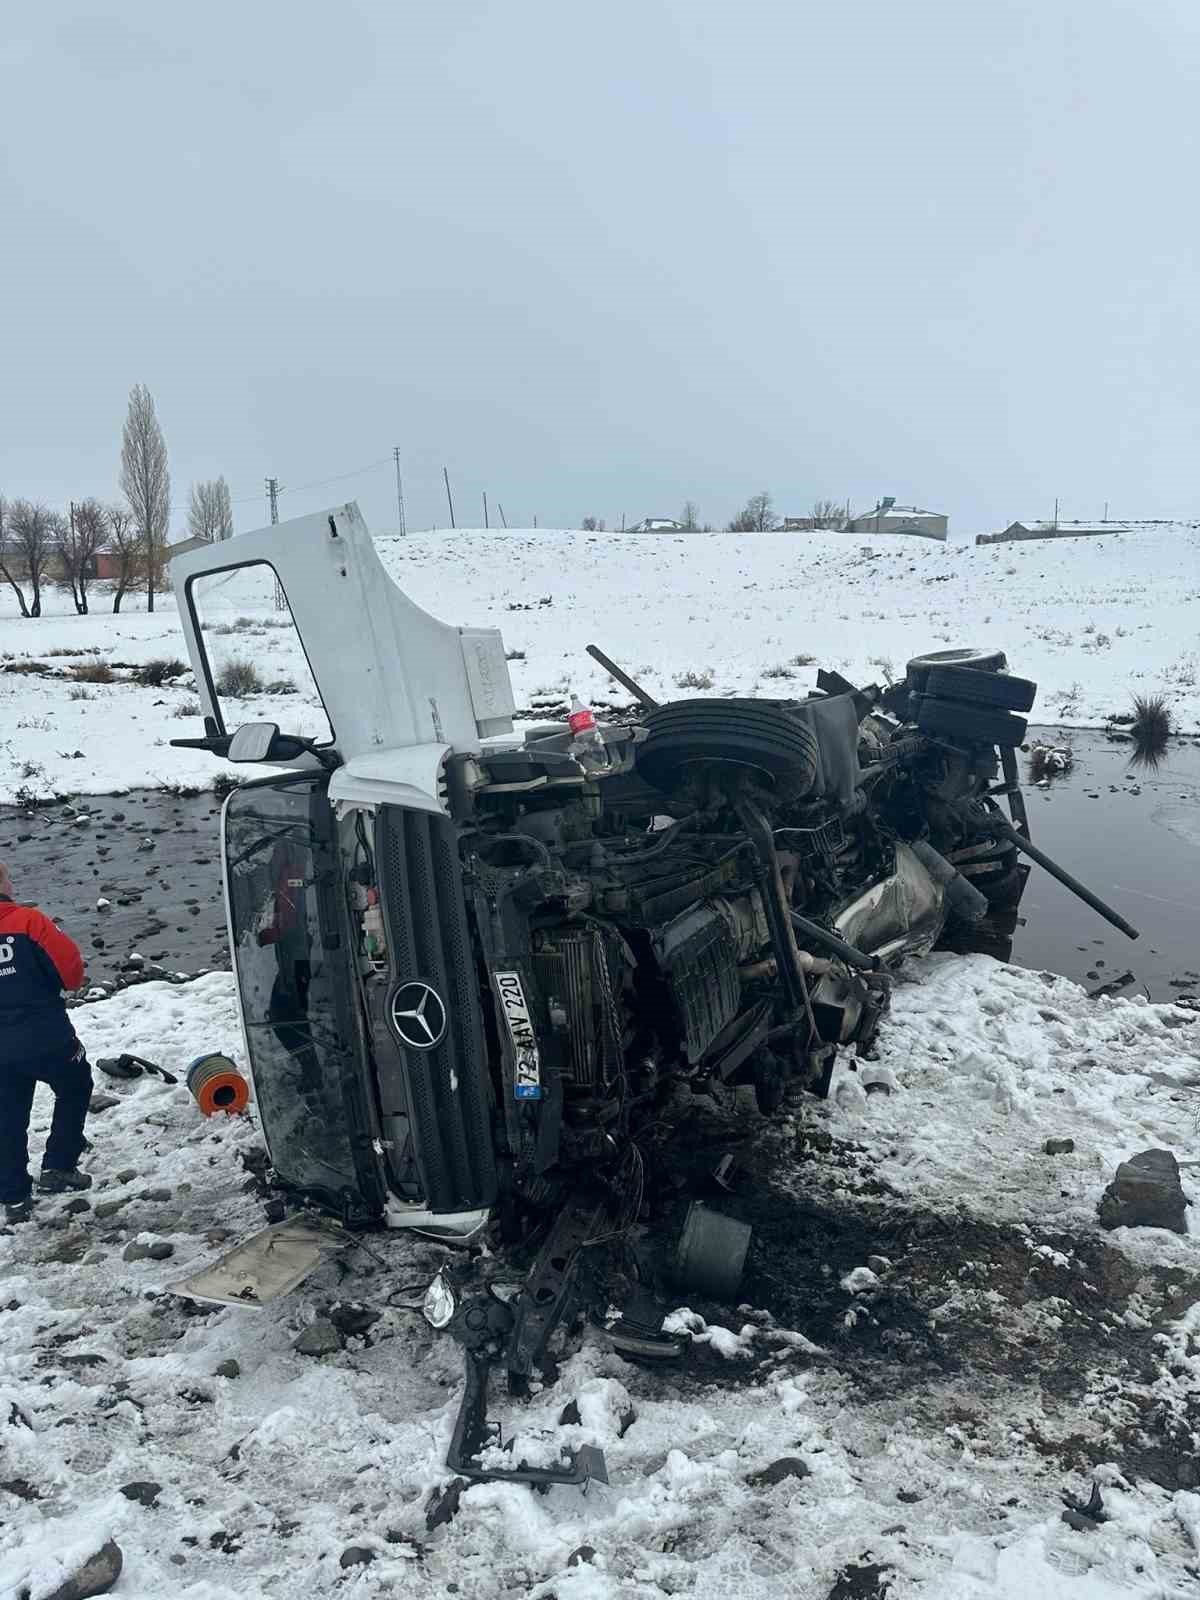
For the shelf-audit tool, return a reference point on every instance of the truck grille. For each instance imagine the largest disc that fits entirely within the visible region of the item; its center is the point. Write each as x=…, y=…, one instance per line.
x=448, y=1086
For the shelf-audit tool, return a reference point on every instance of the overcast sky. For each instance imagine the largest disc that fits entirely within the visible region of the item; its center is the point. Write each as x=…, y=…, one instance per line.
x=599, y=259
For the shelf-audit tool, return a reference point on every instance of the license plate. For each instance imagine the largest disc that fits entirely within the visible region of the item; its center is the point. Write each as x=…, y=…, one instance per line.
x=527, y=1072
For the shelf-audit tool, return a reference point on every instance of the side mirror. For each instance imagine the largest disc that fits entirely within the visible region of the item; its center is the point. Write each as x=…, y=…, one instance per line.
x=253, y=741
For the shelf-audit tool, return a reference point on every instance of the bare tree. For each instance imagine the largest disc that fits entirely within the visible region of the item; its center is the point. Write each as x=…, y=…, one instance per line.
x=210, y=510
x=32, y=531
x=84, y=536
x=828, y=514
x=8, y=563
x=756, y=516
x=689, y=517
x=589, y=524
x=128, y=552
x=145, y=481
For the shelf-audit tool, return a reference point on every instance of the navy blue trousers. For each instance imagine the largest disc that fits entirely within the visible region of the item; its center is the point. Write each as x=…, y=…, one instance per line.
x=71, y=1081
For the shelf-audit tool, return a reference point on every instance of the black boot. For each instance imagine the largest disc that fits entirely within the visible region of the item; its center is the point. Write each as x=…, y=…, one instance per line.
x=54, y=1181
x=19, y=1210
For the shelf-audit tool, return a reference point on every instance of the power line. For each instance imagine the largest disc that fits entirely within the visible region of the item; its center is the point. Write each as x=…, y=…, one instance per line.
x=340, y=477
x=371, y=466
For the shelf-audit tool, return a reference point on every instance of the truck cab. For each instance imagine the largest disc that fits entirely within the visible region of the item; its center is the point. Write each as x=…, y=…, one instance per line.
x=347, y=916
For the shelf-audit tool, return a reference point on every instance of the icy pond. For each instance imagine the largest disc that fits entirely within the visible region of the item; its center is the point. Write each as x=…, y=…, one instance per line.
x=1132, y=834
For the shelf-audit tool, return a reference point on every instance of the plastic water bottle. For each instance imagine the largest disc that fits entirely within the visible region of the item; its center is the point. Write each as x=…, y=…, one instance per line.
x=587, y=742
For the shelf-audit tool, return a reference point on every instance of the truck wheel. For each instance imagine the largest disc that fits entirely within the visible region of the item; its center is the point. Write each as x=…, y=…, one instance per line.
x=975, y=724
x=920, y=667
x=746, y=733
x=978, y=688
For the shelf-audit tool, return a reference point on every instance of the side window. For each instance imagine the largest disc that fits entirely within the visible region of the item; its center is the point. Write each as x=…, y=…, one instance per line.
x=256, y=661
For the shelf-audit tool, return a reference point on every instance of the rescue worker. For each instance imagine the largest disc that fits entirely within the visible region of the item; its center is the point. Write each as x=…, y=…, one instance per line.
x=38, y=1045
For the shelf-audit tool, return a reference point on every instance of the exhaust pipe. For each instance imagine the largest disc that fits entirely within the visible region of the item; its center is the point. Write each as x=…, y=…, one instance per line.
x=963, y=899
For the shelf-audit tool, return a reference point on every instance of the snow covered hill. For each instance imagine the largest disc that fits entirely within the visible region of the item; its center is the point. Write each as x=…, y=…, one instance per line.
x=936, y=1344
x=1092, y=620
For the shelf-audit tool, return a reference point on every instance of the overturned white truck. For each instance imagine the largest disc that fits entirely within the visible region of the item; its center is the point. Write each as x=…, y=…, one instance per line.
x=480, y=979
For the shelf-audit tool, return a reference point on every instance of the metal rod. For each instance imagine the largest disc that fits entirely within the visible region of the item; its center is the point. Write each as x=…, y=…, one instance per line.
x=623, y=678
x=775, y=905
x=1012, y=782
x=849, y=953
x=1006, y=831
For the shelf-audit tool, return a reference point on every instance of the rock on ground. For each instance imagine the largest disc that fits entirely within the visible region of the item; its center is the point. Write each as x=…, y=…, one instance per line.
x=1145, y=1193
x=96, y=1576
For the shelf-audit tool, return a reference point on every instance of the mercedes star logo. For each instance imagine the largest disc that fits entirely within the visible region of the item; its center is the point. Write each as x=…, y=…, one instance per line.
x=419, y=1015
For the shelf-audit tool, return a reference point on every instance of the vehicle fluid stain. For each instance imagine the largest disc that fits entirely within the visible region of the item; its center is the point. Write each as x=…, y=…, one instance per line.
x=152, y=856
x=1131, y=833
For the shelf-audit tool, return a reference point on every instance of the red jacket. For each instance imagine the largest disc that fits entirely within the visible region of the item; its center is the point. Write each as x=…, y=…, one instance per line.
x=37, y=962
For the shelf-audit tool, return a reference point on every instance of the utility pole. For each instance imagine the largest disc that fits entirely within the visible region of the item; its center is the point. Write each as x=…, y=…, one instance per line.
x=273, y=502
x=500, y=509
x=449, y=497
x=399, y=489
x=485, y=510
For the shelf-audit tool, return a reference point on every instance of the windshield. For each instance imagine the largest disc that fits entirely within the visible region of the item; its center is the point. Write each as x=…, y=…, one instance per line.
x=279, y=872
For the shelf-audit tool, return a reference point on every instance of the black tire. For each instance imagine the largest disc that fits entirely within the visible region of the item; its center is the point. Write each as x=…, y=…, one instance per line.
x=920, y=667
x=978, y=688
x=973, y=724
x=749, y=733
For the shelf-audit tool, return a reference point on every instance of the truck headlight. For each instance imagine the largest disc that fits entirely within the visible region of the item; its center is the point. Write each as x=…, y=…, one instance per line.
x=440, y=1302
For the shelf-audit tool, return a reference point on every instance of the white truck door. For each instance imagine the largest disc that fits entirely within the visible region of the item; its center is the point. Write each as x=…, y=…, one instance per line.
x=389, y=675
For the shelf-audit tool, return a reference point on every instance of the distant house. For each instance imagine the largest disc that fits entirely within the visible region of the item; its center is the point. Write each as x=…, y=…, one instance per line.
x=1052, y=530
x=658, y=525
x=194, y=542
x=55, y=568
x=888, y=517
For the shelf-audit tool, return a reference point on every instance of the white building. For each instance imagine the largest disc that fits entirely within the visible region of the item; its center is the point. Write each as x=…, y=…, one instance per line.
x=888, y=517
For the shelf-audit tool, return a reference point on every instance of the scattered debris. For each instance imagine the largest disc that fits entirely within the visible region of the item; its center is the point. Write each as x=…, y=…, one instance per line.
x=1113, y=986
x=444, y=1503
x=1058, y=1147
x=1084, y=1517
x=352, y=1319
x=1048, y=761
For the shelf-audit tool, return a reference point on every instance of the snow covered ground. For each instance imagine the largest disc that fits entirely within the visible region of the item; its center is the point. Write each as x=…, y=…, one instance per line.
x=933, y=1403
x=936, y=1335
x=1092, y=620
